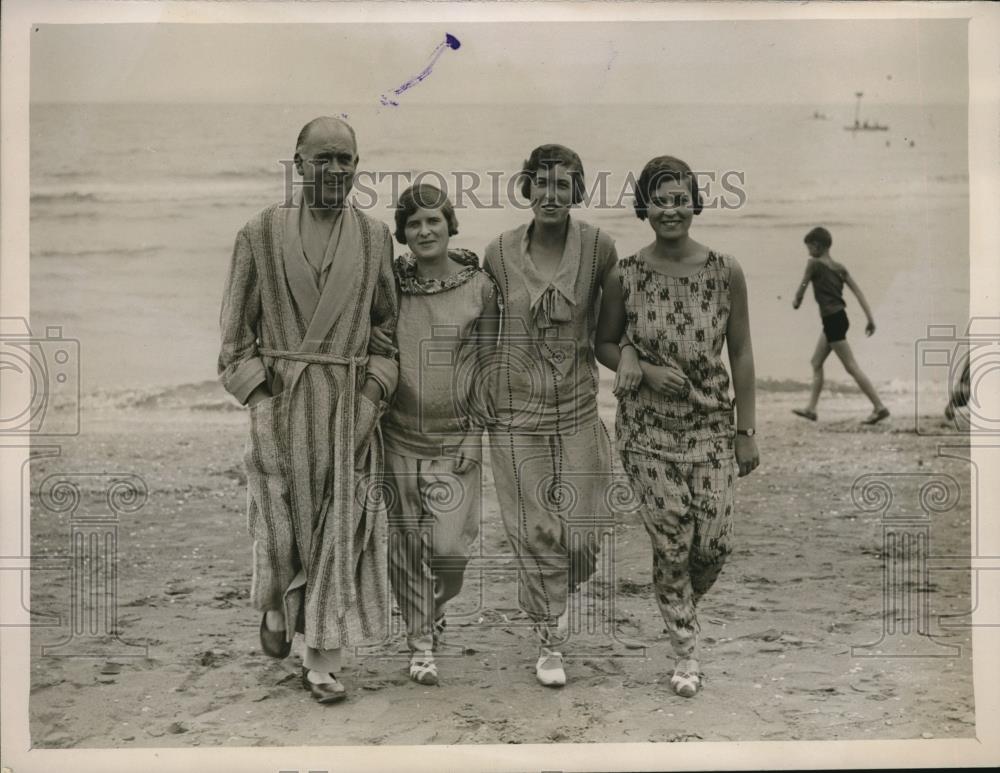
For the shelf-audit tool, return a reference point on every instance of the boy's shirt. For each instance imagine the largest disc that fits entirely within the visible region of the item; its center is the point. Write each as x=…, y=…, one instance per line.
x=437, y=356
x=828, y=285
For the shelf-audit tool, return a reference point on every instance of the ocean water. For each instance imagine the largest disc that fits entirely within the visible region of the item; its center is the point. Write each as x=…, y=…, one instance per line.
x=134, y=209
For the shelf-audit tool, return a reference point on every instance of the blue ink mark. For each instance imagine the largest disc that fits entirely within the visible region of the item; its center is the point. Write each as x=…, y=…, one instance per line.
x=450, y=42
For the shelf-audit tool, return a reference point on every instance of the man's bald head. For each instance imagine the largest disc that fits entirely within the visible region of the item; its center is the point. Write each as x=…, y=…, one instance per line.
x=326, y=155
x=326, y=124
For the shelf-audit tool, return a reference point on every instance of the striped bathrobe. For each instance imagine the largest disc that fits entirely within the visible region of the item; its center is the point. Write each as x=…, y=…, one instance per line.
x=319, y=536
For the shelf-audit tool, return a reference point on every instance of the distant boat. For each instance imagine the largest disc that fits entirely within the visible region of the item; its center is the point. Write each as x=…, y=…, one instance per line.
x=817, y=115
x=863, y=126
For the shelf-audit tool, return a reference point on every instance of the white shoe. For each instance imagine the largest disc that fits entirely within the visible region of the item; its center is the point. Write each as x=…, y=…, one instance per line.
x=549, y=668
x=423, y=669
x=686, y=679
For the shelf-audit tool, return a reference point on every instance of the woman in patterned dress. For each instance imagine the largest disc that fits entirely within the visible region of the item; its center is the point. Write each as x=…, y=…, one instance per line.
x=676, y=433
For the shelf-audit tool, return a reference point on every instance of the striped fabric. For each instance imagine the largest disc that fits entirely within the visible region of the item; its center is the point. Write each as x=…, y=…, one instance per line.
x=319, y=539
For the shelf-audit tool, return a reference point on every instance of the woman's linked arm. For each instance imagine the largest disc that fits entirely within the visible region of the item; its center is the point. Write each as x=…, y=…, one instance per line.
x=741, y=363
x=621, y=358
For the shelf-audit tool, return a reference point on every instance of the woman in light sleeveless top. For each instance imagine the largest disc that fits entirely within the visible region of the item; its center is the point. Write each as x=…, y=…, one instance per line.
x=549, y=451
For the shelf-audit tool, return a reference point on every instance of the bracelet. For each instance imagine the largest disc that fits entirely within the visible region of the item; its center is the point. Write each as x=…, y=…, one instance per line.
x=622, y=348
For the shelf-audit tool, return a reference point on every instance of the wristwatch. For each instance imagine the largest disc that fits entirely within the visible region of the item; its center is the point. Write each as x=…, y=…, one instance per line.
x=748, y=432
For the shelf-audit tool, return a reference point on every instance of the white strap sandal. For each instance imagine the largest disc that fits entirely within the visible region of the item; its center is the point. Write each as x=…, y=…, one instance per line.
x=423, y=669
x=686, y=679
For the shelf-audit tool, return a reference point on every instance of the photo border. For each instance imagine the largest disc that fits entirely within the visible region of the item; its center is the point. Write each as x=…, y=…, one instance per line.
x=984, y=192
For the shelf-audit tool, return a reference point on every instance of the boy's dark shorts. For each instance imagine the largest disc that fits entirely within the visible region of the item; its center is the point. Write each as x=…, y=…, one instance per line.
x=835, y=326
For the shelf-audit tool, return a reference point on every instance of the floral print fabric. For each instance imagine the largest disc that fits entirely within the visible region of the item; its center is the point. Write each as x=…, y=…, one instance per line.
x=683, y=321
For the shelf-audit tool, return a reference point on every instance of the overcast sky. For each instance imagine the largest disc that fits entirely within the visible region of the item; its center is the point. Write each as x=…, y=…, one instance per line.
x=809, y=61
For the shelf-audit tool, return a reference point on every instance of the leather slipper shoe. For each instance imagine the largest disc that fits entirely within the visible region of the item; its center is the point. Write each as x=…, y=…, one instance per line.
x=274, y=643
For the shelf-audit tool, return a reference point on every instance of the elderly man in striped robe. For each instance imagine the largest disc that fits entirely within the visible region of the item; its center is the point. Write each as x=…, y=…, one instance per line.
x=309, y=280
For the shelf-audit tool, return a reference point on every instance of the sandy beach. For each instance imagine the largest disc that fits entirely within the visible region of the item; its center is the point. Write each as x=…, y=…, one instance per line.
x=804, y=585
